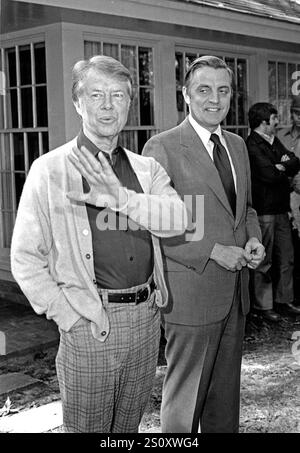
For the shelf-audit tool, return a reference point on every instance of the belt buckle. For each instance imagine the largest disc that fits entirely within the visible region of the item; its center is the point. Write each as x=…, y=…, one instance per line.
x=140, y=294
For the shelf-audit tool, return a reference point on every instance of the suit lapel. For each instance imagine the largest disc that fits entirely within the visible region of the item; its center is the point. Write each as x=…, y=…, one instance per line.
x=236, y=155
x=194, y=150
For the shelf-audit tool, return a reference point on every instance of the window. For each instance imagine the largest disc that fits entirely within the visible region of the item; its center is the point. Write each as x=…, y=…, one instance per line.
x=236, y=120
x=139, y=61
x=23, y=125
x=280, y=87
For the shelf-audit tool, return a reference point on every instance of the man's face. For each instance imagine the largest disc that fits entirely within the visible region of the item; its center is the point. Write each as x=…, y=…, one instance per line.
x=208, y=96
x=296, y=118
x=270, y=129
x=103, y=104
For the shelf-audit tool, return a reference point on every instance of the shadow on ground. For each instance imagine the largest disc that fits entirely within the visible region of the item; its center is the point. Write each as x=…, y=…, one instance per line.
x=270, y=384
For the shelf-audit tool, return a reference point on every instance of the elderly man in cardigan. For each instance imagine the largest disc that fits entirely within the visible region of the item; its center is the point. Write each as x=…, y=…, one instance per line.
x=100, y=281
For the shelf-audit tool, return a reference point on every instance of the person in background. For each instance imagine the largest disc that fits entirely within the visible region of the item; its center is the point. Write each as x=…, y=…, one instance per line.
x=85, y=251
x=291, y=140
x=271, y=284
x=207, y=274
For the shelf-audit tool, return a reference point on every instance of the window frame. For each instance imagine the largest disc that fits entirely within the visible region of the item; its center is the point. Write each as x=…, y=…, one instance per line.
x=280, y=59
x=7, y=132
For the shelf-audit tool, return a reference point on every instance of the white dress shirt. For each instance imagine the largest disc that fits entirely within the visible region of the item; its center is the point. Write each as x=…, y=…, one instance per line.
x=269, y=138
x=204, y=136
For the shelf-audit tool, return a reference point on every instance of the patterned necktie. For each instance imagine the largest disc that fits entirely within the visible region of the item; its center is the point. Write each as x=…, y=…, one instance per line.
x=222, y=163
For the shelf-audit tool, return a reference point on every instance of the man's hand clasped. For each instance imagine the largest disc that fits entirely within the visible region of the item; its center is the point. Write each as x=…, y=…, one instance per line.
x=235, y=258
x=256, y=251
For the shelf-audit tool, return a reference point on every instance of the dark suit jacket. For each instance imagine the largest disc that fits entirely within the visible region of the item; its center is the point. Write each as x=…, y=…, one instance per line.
x=201, y=291
x=270, y=187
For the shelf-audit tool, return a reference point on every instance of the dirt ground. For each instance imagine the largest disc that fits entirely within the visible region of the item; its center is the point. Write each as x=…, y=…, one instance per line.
x=270, y=385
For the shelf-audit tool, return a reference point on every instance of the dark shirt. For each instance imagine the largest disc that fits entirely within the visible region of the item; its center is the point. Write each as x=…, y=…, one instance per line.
x=122, y=257
x=270, y=186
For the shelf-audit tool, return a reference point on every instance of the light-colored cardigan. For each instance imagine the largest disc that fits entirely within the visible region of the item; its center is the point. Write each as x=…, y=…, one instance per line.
x=51, y=251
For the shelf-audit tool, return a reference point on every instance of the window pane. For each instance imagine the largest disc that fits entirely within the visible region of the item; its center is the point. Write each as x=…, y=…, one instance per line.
x=26, y=102
x=91, y=48
x=230, y=62
x=41, y=106
x=291, y=69
x=111, y=50
x=180, y=101
x=179, y=69
x=282, y=108
x=244, y=132
x=5, y=162
x=189, y=58
x=19, y=181
x=179, y=81
x=146, y=107
x=40, y=63
x=6, y=192
x=282, y=93
x=272, y=82
x=8, y=222
x=33, y=146
x=19, y=151
x=242, y=91
x=241, y=75
x=231, y=116
x=143, y=137
x=282, y=81
x=2, y=99
x=128, y=139
x=45, y=142
x=133, y=116
x=128, y=58
x=25, y=65
x=12, y=73
x=135, y=140
x=13, y=108
x=145, y=66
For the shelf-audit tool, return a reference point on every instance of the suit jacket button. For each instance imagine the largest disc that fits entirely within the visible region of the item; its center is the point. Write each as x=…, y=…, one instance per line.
x=103, y=333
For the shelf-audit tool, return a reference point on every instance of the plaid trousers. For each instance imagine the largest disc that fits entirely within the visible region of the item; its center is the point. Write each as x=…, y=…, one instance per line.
x=105, y=386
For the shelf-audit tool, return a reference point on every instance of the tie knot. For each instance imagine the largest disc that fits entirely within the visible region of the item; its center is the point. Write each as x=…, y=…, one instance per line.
x=215, y=139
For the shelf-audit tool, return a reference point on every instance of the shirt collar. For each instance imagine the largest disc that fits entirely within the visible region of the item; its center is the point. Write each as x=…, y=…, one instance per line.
x=83, y=140
x=268, y=138
x=203, y=133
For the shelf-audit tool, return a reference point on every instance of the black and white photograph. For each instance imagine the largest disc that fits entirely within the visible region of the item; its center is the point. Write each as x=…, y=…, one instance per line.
x=149, y=220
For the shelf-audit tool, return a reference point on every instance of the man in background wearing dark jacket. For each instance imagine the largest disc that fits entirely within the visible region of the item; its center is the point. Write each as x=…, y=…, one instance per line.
x=271, y=284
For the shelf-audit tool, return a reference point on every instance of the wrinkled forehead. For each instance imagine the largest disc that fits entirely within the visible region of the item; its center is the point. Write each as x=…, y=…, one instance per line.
x=211, y=76
x=100, y=80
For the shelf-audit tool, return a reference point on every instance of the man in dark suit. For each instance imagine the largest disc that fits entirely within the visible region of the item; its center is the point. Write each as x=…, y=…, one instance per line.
x=207, y=276
x=272, y=164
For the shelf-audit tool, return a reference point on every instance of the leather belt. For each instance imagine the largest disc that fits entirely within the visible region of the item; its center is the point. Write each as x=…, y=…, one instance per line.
x=137, y=297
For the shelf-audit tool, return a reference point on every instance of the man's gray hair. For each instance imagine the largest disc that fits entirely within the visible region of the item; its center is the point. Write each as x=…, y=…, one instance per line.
x=100, y=63
x=206, y=61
